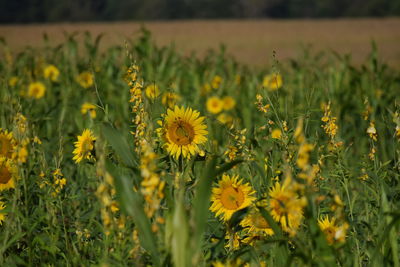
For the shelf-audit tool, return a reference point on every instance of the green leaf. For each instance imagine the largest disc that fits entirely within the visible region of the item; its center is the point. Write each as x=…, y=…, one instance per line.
x=132, y=204
x=120, y=145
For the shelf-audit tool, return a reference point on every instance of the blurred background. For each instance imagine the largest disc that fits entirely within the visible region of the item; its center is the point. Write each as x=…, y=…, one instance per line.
x=26, y=11
x=250, y=29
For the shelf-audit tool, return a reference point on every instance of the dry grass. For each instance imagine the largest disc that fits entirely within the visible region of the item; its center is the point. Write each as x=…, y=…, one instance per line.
x=250, y=41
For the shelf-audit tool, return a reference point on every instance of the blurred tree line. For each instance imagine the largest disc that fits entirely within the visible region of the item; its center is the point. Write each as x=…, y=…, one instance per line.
x=25, y=11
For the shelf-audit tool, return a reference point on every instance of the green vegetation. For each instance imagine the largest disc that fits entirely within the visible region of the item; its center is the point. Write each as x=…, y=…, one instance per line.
x=121, y=195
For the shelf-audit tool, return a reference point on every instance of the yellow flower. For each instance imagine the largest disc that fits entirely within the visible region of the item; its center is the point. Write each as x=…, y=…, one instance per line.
x=255, y=224
x=51, y=72
x=303, y=156
x=333, y=232
x=228, y=102
x=214, y=105
x=2, y=214
x=285, y=206
x=152, y=91
x=89, y=108
x=216, y=82
x=225, y=119
x=276, y=134
x=85, y=79
x=84, y=146
x=8, y=173
x=230, y=196
x=12, y=82
x=7, y=144
x=183, y=131
x=371, y=131
x=36, y=90
x=170, y=99
x=272, y=82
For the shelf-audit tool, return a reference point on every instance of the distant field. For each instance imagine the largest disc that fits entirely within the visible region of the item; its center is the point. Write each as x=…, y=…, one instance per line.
x=250, y=41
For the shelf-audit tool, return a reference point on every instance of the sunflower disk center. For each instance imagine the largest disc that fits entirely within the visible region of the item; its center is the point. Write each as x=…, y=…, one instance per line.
x=232, y=198
x=5, y=175
x=181, y=133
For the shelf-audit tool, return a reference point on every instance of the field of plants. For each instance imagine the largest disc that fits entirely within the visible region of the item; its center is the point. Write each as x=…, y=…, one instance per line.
x=140, y=156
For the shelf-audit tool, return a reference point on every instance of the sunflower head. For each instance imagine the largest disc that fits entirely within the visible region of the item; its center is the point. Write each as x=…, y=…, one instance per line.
x=84, y=146
x=333, y=232
x=228, y=103
x=7, y=143
x=85, y=79
x=183, y=130
x=286, y=207
x=255, y=224
x=152, y=91
x=36, y=90
x=230, y=195
x=51, y=72
x=8, y=173
x=273, y=82
x=214, y=105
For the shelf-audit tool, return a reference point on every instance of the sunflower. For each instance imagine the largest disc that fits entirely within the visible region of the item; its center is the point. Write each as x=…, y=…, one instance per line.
x=8, y=173
x=2, y=214
x=152, y=91
x=272, y=82
x=228, y=103
x=230, y=196
x=7, y=143
x=183, y=130
x=84, y=146
x=51, y=72
x=333, y=232
x=169, y=99
x=214, y=105
x=286, y=207
x=85, y=79
x=255, y=224
x=36, y=90
x=89, y=108
x=12, y=82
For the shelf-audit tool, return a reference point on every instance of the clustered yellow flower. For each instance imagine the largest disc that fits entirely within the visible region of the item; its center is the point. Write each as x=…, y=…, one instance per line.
x=59, y=181
x=136, y=99
x=238, y=147
x=260, y=105
x=152, y=187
